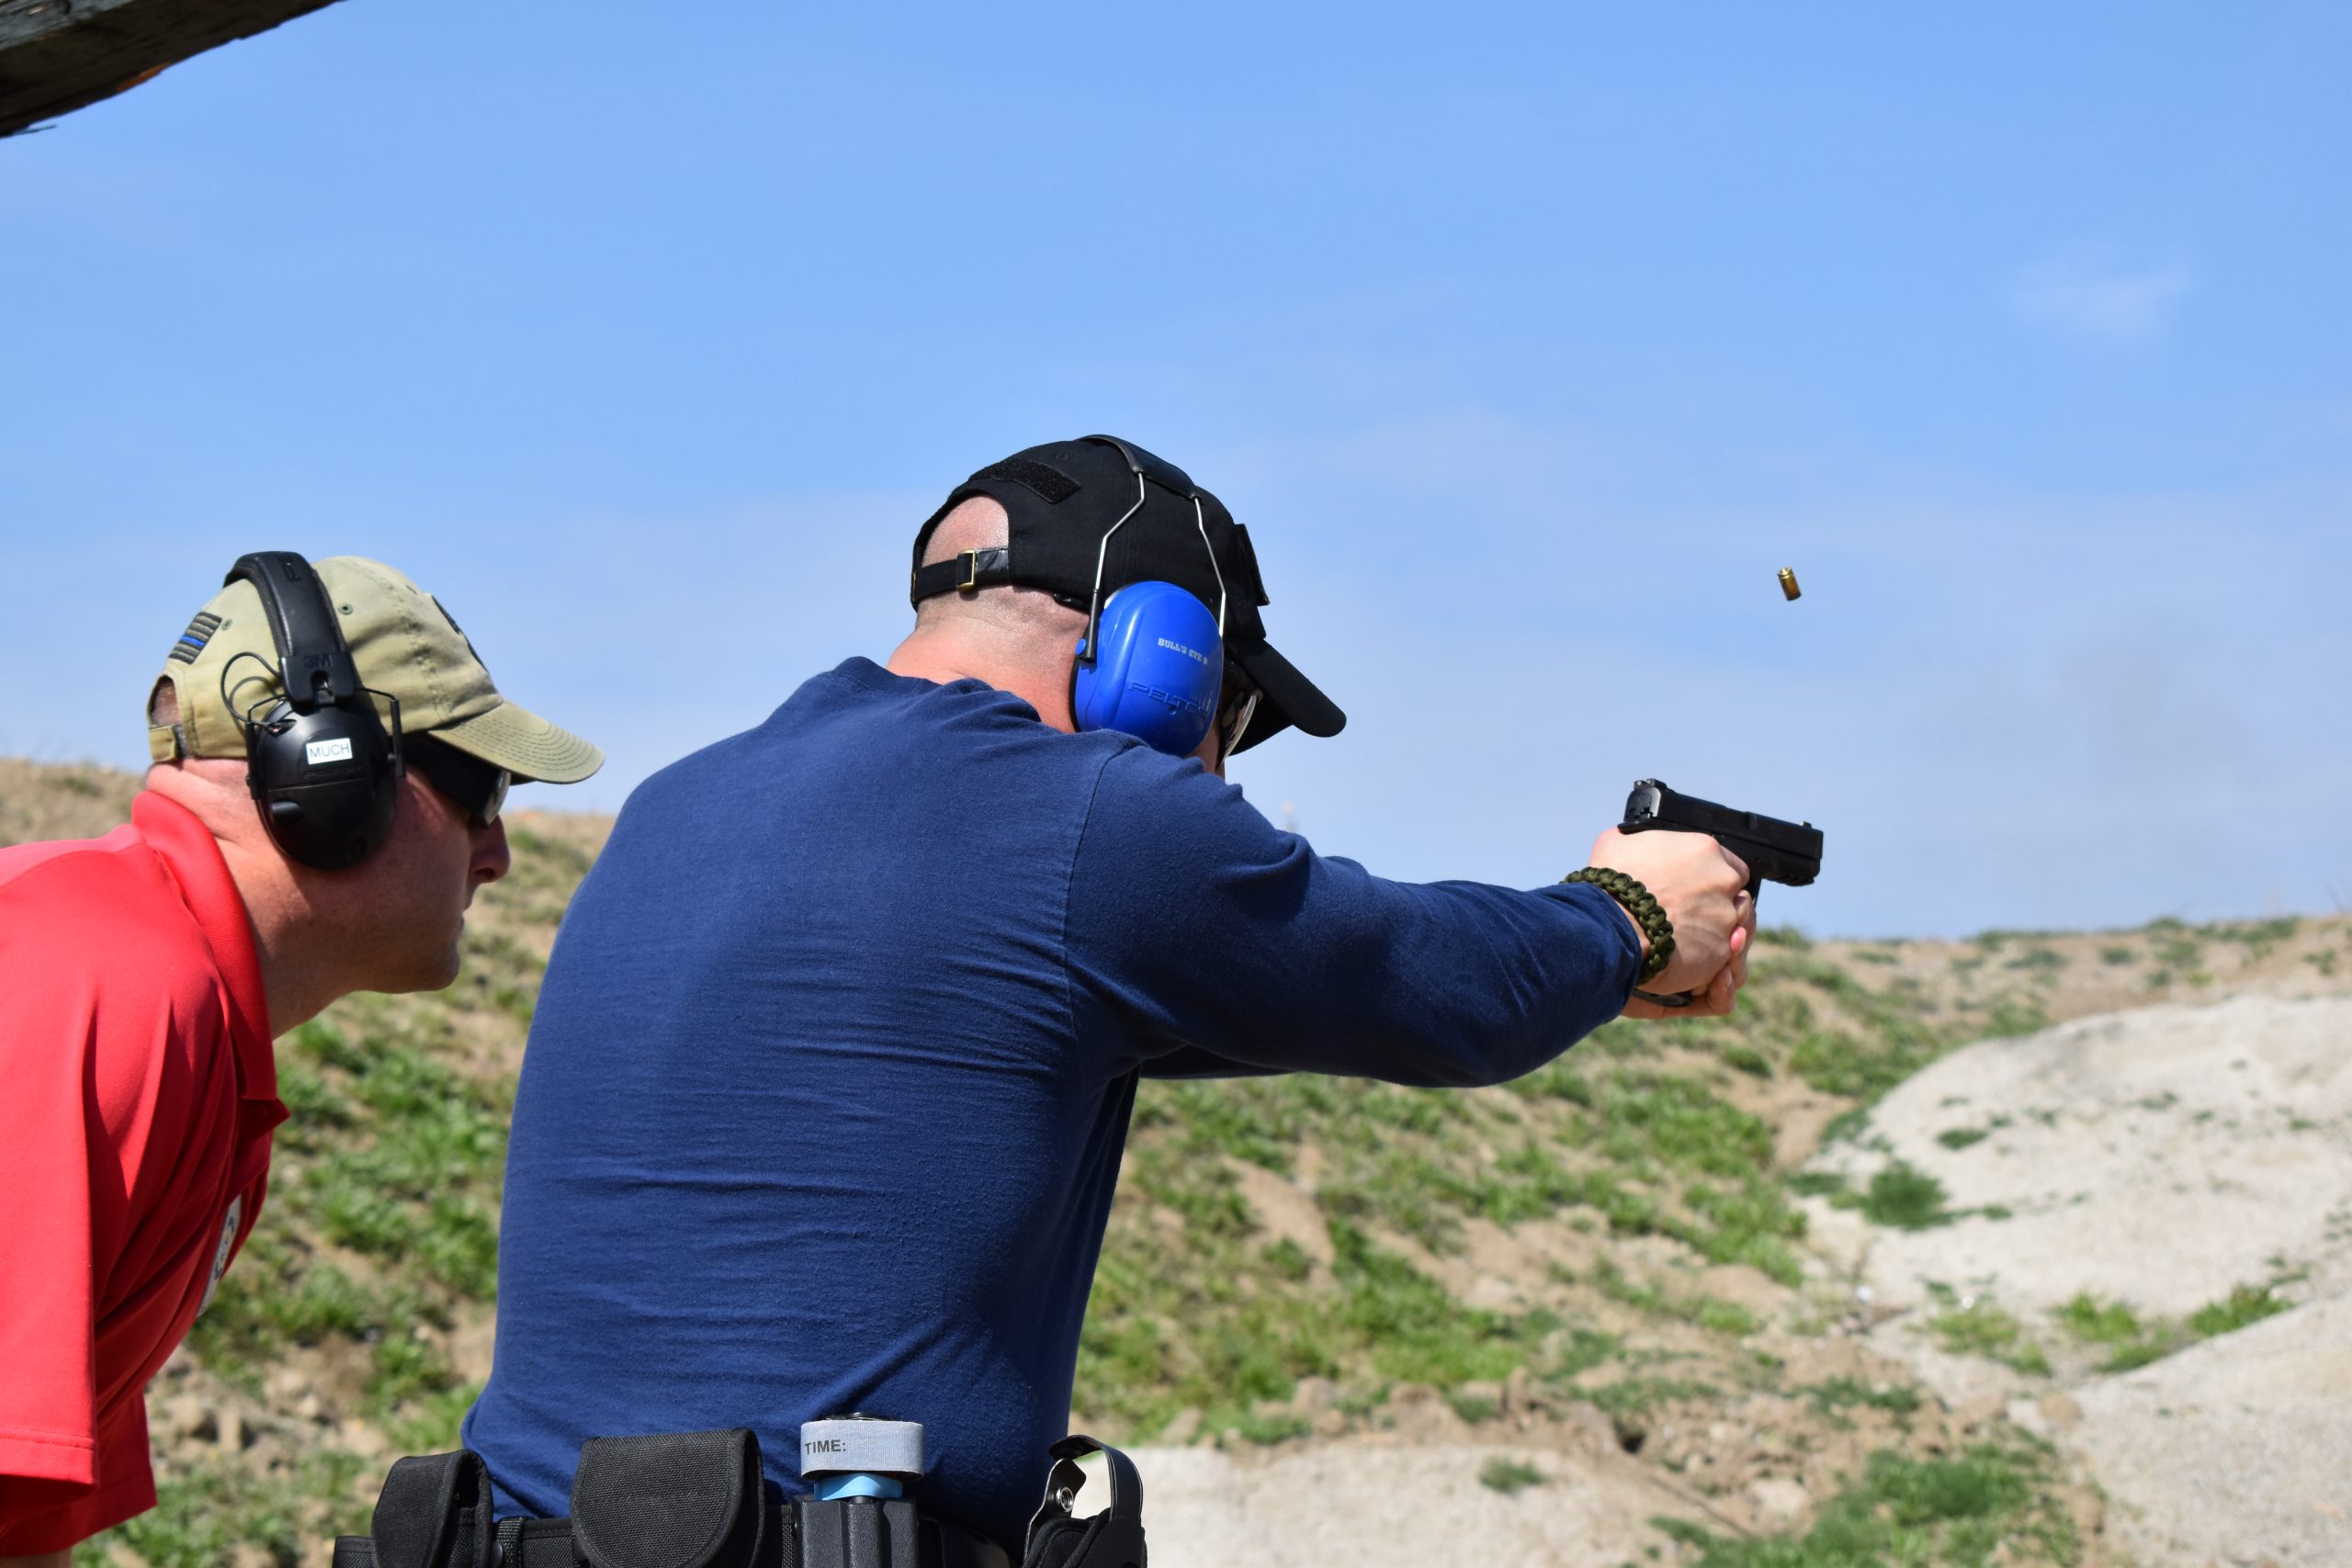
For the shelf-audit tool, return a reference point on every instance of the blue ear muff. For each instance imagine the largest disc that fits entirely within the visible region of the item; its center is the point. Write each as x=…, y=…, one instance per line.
x=1159, y=663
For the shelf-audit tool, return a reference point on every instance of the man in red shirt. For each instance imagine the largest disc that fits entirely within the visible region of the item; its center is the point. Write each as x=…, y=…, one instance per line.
x=143, y=976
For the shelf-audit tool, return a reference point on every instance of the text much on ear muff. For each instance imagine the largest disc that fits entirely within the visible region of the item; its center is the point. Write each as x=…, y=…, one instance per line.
x=1157, y=666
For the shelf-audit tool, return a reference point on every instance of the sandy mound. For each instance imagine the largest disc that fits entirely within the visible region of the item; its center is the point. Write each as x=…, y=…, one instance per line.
x=2159, y=1158
x=2235, y=1451
x=1385, y=1506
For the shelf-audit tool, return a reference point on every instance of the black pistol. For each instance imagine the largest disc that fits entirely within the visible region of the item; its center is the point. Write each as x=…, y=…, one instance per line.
x=1773, y=851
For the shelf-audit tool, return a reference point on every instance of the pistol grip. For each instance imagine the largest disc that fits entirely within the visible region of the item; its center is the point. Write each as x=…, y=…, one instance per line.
x=1684, y=998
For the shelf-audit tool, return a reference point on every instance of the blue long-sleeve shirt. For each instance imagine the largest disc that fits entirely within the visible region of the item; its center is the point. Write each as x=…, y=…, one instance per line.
x=824, y=1099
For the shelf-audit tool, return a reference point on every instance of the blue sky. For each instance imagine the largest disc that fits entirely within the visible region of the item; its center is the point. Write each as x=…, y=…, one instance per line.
x=1529, y=341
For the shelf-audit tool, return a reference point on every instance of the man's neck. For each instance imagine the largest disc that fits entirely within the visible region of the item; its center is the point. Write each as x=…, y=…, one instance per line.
x=942, y=657
x=291, y=944
x=288, y=937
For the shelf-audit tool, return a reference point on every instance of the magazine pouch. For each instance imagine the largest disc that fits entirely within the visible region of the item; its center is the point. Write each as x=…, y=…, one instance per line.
x=1112, y=1538
x=433, y=1513
x=679, y=1500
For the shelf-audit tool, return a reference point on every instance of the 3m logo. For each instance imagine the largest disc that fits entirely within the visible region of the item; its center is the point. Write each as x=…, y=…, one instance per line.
x=319, y=751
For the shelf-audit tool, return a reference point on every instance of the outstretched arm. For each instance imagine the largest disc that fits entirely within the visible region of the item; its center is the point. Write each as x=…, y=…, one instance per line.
x=1230, y=945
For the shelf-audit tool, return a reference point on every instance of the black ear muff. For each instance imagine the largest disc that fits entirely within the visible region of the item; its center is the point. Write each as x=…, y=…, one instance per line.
x=325, y=783
x=319, y=764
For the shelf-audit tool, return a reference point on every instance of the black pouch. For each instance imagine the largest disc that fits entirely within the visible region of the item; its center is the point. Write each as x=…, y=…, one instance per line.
x=1112, y=1538
x=680, y=1500
x=433, y=1513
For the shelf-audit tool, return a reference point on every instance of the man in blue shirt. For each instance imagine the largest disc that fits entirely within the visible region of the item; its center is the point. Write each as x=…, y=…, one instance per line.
x=825, y=1095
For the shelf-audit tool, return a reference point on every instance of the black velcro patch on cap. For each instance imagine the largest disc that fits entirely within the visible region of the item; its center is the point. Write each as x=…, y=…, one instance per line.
x=191, y=643
x=1046, y=480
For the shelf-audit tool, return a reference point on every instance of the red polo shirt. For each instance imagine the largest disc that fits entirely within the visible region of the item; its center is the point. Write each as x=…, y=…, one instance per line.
x=137, y=1095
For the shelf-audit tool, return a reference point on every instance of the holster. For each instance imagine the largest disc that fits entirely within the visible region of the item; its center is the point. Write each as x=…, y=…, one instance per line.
x=679, y=1500
x=1112, y=1538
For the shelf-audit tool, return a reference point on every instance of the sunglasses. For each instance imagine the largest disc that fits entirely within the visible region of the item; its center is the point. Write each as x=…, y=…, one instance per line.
x=1238, y=707
x=475, y=787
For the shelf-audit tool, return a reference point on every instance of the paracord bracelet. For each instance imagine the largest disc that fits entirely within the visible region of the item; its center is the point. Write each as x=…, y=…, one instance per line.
x=1645, y=910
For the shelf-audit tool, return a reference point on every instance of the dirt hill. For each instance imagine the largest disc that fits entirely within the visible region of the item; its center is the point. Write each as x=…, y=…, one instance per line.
x=1643, y=1305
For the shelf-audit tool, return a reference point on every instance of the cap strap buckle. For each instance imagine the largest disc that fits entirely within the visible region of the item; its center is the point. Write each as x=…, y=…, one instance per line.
x=971, y=573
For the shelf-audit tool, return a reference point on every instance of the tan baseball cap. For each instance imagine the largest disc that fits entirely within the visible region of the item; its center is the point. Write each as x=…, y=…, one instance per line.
x=405, y=645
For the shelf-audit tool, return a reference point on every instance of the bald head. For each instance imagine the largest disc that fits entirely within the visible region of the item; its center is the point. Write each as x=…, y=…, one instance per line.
x=1026, y=624
x=1017, y=639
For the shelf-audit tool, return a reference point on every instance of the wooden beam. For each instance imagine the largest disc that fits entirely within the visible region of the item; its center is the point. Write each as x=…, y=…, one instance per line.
x=58, y=55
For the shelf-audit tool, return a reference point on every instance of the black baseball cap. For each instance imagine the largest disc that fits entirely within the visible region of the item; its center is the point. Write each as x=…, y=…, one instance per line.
x=1064, y=498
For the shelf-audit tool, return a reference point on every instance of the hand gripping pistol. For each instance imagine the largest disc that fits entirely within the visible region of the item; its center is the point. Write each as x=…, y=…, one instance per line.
x=1773, y=851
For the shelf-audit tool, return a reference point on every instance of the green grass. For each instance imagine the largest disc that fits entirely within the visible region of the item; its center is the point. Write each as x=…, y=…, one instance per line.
x=2094, y=1323
x=2261, y=936
x=1270, y=1426
x=1991, y=1504
x=2242, y=1306
x=1414, y=1330
x=1709, y=1313
x=1905, y=1198
x=204, y=1513
x=1209, y=1317
x=1846, y=1393
x=1634, y=1395
x=1510, y=1475
x=2129, y=1341
x=1983, y=1329
x=1474, y=1408
x=2011, y=1017
x=1647, y=1153
x=1893, y=1040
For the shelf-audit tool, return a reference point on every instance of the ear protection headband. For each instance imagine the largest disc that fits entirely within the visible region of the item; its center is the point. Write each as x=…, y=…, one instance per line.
x=318, y=761
x=1153, y=656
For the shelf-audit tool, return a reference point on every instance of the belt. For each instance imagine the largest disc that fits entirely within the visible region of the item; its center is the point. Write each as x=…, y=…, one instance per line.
x=697, y=1500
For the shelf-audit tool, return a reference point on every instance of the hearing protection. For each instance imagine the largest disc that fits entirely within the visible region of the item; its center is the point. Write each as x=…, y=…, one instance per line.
x=1153, y=656
x=318, y=762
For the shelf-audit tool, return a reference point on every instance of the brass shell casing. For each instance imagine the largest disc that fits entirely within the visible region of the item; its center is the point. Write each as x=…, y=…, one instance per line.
x=1789, y=587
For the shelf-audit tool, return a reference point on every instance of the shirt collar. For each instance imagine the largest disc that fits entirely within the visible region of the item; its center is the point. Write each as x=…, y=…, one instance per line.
x=186, y=847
